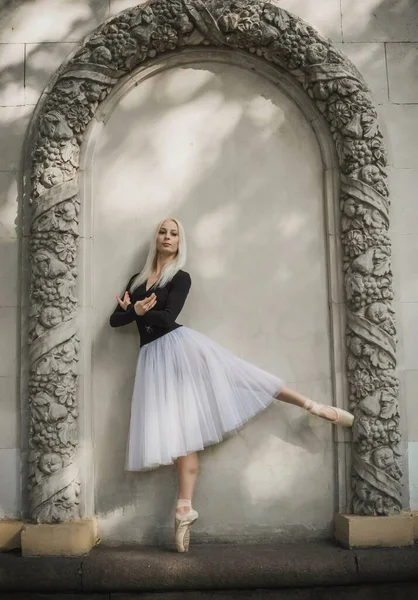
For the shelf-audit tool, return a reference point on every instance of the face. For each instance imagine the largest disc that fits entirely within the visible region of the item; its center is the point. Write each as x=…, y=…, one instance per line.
x=168, y=238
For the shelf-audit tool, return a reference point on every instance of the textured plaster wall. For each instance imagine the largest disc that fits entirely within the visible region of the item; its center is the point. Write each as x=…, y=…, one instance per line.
x=236, y=160
x=379, y=36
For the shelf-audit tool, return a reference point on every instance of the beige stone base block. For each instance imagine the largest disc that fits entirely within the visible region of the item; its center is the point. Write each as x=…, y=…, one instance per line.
x=414, y=514
x=354, y=531
x=10, y=534
x=71, y=538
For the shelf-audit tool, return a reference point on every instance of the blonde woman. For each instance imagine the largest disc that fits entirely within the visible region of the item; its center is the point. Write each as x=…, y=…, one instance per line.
x=189, y=391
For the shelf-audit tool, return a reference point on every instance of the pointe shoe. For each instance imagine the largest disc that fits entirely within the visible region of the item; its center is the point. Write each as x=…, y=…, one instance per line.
x=182, y=526
x=342, y=417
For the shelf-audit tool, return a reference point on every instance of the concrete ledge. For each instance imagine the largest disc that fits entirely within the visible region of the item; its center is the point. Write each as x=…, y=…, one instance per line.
x=72, y=538
x=10, y=534
x=216, y=567
x=353, y=531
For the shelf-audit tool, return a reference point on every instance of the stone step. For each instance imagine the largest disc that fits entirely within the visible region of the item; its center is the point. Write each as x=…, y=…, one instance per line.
x=286, y=572
x=401, y=591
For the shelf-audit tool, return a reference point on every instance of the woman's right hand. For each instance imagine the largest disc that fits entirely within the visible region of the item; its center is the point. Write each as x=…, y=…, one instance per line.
x=143, y=306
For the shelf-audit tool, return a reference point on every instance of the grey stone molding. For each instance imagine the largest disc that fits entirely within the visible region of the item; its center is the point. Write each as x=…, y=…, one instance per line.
x=117, y=48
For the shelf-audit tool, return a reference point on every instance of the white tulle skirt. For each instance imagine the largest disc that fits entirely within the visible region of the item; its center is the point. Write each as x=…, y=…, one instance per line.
x=190, y=392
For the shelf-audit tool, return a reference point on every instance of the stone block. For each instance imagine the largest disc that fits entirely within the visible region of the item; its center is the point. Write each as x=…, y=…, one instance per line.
x=411, y=395
x=413, y=474
x=10, y=413
x=50, y=21
x=405, y=249
x=10, y=534
x=8, y=325
x=404, y=207
x=72, y=538
x=355, y=531
x=14, y=121
x=8, y=203
x=377, y=21
x=9, y=261
x=402, y=61
x=401, y=122
x=408, y=317
x=414, y=514
x=10, y=497
x=12, y=74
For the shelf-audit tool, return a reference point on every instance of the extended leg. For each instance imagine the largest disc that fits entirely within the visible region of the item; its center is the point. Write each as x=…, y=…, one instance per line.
x=330, y=413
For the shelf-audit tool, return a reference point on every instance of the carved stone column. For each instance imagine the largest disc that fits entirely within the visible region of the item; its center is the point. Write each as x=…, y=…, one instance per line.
x=115, y=49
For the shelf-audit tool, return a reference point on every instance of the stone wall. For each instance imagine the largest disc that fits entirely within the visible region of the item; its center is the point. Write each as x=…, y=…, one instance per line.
x=379, y=36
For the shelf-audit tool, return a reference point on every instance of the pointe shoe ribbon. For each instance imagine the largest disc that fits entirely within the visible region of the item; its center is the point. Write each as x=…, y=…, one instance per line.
x=342, y=417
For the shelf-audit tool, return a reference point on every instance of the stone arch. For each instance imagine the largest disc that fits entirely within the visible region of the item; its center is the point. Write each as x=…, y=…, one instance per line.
x=118, y=47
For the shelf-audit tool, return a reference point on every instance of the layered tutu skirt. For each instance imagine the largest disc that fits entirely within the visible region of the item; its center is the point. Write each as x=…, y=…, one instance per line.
x=190, y=392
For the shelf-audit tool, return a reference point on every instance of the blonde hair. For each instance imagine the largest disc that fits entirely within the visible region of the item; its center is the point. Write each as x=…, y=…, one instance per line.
x=170, y=269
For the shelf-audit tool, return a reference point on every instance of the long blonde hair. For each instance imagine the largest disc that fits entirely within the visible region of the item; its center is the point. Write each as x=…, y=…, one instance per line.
x=171, y=268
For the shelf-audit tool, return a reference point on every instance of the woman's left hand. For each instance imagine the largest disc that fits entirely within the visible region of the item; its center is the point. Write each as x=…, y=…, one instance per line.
x=125, y=302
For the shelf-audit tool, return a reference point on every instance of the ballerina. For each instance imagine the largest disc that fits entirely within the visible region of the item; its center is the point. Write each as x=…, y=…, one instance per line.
x=189, y=391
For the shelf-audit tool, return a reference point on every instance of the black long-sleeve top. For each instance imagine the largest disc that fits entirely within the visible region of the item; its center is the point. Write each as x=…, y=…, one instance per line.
x=162, y=317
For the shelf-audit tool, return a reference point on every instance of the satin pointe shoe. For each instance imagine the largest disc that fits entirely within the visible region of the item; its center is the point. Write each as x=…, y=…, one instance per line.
x=182, y=525
x=342, y=417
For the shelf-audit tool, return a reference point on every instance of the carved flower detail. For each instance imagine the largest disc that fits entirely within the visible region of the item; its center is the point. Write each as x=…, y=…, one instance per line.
x=78, y=117
x=355, y=243
x=65, y=390
x=164, y=38
x=339, y=114
x=66, y=249
x=361, y=382
x=248, y=33
x=316, y=53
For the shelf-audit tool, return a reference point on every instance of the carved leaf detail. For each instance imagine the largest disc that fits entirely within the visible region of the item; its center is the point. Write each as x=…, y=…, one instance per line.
x=381, y=264
x=282, y=20
x=389, y=408
x=370, y=126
